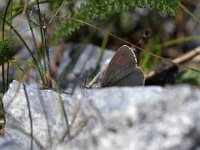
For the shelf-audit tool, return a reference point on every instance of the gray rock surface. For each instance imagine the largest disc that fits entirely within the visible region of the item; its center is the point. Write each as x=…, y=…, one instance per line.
x=148, y=118
x=71, y=71
x=6, y=143
x=85, y=62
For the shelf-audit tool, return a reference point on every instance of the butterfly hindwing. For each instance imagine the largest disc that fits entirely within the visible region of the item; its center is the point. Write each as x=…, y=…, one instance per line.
x=134, y=78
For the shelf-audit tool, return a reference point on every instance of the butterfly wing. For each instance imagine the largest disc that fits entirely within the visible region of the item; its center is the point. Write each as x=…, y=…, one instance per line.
x=122, y=69
x=134, y=78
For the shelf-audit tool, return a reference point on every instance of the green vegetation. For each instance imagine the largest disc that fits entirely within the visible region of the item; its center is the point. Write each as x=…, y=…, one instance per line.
x=101, y=9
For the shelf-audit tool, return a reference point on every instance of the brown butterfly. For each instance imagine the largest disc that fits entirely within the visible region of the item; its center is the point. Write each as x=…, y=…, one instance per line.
x=123, y=70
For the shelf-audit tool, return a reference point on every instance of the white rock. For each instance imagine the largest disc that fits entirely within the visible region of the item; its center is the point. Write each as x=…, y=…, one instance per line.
x=150, y=118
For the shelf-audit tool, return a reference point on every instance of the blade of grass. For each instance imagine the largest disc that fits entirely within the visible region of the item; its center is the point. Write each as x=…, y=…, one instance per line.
x=10, y=35
x=189, y=13
x=41, y=34
x=30, y=115
x=179, y=40
x=103, y=46
x=3, y=39
x=27, y=47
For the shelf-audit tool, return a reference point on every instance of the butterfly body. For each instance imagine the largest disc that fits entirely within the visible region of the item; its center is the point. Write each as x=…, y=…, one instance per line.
x=123, y=70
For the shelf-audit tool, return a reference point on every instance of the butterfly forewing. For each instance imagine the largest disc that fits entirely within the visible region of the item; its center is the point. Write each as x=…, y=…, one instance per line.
x=122, y=69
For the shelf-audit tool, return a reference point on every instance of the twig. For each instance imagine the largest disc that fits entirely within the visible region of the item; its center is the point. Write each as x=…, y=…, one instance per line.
x=187, y=56
x=154, y=75
x=90, y=84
